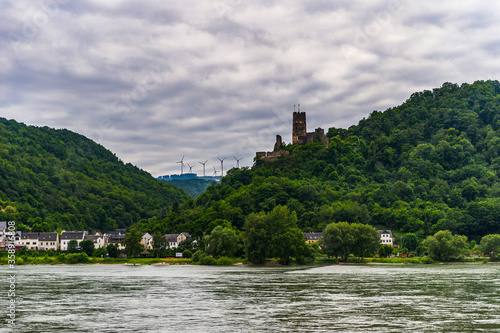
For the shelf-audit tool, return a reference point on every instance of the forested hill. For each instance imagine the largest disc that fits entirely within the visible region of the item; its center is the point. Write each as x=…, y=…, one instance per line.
x=59, y=179
x=431, y=163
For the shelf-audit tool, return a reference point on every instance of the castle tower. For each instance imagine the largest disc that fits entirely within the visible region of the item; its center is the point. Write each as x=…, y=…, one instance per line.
x=299, y=133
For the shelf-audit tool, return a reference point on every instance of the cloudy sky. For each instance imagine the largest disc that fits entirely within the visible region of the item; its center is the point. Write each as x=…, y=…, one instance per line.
x=155, y=80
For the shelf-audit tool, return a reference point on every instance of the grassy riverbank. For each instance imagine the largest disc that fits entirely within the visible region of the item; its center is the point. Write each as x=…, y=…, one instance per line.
x=224, y=261
x=65, y=260
x=414, y=260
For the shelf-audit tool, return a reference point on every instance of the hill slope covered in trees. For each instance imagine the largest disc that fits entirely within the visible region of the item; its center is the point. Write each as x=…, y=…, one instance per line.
x=59, y=179
x=429, y=164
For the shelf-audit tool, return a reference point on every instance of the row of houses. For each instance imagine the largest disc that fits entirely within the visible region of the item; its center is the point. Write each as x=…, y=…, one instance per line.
x=51, y=241
x=385, y=237
x=42, y=241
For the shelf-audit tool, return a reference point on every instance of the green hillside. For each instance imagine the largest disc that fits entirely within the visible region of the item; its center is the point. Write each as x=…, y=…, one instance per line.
x=431, y=163
x=59, y=179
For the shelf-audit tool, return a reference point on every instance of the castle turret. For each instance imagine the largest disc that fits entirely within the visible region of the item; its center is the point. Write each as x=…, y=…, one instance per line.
x=299, y=132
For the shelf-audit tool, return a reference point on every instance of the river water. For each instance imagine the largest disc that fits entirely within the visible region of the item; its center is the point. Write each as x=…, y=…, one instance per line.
x=341, y=298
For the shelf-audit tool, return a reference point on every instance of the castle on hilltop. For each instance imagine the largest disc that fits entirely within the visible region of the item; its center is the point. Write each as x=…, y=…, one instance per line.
x=299, y=133
x=299, y=137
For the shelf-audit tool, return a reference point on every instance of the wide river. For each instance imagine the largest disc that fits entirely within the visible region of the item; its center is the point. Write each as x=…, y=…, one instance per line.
x=342, y=298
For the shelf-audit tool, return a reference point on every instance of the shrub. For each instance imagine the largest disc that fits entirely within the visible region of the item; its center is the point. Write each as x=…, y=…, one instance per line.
x=100, y=252
x=187, y=254
x=224, y=261
x=19, y=261
x=78, y=258
x=61, y=257
x=198, y=255
x=426, y=260
x=208, y=260
x=303, y=260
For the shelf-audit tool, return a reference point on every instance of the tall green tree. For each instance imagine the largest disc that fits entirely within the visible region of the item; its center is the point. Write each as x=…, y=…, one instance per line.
x=444, y=246
x=385, y=250
x=73, y=246
x=289, y=244
x=222, y=242
x=256, y=238
x=160, y=243
x=133, y=243
x=113, y=251
x=286, y=239
x=366, y=240
x=338, y=240
x=410, y=241
x=490, y=244
x=274, y=234
x=87, y=246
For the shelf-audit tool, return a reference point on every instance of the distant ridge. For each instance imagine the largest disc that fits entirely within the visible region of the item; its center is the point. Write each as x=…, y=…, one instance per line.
x=190, y=182
x=185, y=176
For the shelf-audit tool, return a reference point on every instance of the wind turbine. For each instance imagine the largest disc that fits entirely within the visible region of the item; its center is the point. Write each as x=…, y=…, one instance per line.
x=203, y=163
x=190, y=168
x=182, y=164
x=215, y=172
x=238, y=161
x=221, y=166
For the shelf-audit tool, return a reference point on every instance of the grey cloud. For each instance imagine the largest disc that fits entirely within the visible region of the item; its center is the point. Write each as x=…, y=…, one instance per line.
x=155, y=81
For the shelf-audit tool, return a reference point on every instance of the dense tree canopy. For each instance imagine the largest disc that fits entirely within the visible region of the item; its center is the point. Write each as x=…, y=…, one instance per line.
x=133, y=243
x=87, y=246
x=444, y=246
x=410, y=242
x=490, y=244
x=274, y=234
x=342, y=239
x=222, y=242
x=53, y=179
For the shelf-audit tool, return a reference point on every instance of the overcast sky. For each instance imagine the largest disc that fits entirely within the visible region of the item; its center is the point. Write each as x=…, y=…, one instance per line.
x=155, y=80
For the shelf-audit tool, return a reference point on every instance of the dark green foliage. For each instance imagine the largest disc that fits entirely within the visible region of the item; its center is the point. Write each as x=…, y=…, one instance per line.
x=385, y=250
x=222, y=242
x=53, y=179
x=208, y=260
x=198, y=255
x=366, y=240
x=73, y=246
x=410, y=242
x=443, y=246
x=490, y=244
x=100, y=252
x=187, y=254
x=77, y=258
x=274, y=234
x=87, y=246
x=113, y=251
x=133, y=243
x=342, y=239
x=160, y=244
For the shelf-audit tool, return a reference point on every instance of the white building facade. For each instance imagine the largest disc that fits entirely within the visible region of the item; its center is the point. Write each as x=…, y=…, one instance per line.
x=386, y=237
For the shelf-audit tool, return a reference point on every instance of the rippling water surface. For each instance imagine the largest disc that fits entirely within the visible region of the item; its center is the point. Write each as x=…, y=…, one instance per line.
x=343, y=298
